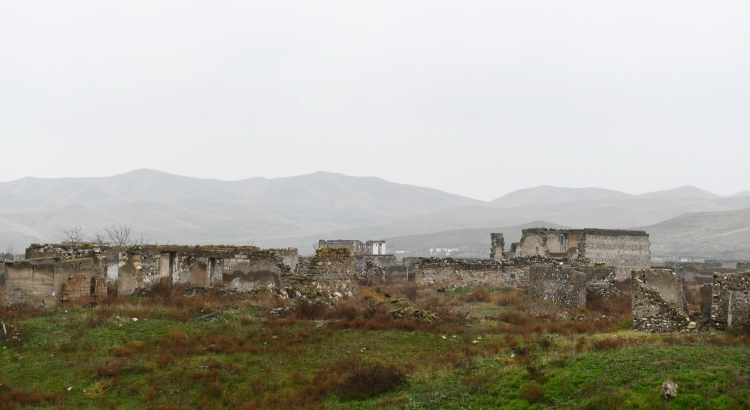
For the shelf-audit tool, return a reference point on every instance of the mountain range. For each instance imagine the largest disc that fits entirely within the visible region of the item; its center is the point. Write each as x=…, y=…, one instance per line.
x=296, y=211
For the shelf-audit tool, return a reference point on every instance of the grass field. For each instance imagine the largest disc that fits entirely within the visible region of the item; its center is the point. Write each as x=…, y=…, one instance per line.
x=487, y=349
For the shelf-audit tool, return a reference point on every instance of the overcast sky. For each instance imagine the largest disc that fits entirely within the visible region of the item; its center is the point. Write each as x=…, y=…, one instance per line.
x=475, y=98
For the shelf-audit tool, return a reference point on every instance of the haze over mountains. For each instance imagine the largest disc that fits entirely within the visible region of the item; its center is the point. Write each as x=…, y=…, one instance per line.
x=296, y=211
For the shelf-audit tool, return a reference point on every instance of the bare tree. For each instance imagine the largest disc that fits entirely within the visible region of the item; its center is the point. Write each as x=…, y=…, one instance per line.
x=72, y=235
x=119, y=235
x=100, y=239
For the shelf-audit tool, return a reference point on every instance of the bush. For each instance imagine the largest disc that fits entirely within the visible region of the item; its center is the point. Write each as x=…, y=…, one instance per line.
x=478, y=295
x=532, y=392
x=364, y=380
x=306, y=310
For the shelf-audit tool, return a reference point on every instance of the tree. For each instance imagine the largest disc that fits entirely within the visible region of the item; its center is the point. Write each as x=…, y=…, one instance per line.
x=72, y=235
x=100, y=239
x=119, y=235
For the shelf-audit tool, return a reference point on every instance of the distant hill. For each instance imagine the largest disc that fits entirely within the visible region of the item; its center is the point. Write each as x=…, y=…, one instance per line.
x=165, y=207
x=680, y=192
x=722, y=235
x=545, y=194
x=297, y=211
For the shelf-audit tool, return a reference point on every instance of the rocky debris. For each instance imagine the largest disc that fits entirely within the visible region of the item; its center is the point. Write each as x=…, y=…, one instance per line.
x=194, y=290
x=320, y=326
x=414, y=314
x=668, y=390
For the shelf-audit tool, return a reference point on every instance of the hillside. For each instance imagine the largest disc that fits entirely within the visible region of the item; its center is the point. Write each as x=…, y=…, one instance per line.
x=721, y=235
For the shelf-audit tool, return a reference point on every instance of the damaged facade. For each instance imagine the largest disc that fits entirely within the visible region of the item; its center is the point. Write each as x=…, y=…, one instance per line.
x=659, y=303
x=41, y=279
x=730, y=301
x=620, y=249
x=570, y=285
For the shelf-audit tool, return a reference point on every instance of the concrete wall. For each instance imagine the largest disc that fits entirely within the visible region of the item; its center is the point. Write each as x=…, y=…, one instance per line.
x=730, y=304
x=659, y=303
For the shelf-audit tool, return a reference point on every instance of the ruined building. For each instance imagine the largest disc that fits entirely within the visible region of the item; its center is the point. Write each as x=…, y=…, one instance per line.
x=368, y=256
x=51, y=272
x=659, y=303
x=620, y=249
x=730, y=301
x=357, y=247
x=570, y=285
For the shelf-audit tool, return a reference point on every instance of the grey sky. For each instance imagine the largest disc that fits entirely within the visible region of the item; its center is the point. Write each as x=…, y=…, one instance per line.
x=475, y=98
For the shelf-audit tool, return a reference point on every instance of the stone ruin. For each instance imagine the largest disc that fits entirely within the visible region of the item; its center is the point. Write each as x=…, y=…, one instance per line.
x=619, y=249
x=78, y=274
x=46, y=281
x=450, y=272
x=570, y=285
x=659, y=303
x=730, y=301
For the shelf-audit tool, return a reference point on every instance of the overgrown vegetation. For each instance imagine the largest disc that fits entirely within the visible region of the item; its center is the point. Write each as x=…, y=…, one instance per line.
x=490, y=348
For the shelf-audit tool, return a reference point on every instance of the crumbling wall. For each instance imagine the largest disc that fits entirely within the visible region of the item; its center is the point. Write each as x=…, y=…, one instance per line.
x=620, y=249
x=570, y=285
x=254, y=269
x=364, y=261
x=730, y=301
x=465, y=272
x=558, y=243
x=560, y=284
x=659, y=303
x=327, y=276
x=497, y=246
x=44, y=282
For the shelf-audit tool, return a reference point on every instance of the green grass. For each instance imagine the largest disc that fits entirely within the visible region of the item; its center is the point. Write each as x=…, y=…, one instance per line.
x=242, y=359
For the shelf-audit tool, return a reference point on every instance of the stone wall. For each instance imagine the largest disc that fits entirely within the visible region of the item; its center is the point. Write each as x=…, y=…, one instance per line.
x=622, y=250
x=497, y=246
x=326, y=277
x=569, y=285
x=659, y=303
x=730, y=301
x=560, y=284
x=45, y=282
x=356, y=247
x=449, y=272
x=558, y=243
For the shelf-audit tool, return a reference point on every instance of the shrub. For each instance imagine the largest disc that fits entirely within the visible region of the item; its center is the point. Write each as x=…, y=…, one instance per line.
x=306, y=310
x=364, y=380
x=478, y=295
x=532, y=392
x=411, y=291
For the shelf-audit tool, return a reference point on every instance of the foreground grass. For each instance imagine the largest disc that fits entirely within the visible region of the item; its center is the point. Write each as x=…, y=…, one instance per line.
x=511, y=352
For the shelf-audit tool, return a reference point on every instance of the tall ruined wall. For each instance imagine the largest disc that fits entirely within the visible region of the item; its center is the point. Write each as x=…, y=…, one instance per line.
x=659, y=303
x=560, y=243
x=497, y=246
x=467, y=272
x=623, y=250
x=730, y=301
